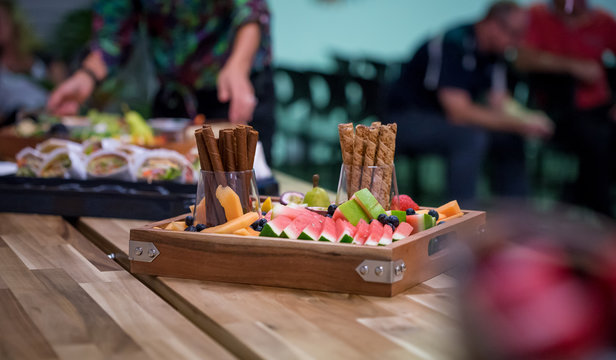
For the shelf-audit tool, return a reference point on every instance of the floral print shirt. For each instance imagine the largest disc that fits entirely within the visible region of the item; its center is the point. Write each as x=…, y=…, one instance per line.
x=188, y=40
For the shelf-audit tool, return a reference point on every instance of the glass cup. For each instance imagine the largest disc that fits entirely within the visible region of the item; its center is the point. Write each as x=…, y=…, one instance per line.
x=209, y=210
x=380, y=180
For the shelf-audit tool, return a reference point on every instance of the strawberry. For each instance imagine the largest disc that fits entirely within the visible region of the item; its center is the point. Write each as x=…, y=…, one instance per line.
x=403, y=202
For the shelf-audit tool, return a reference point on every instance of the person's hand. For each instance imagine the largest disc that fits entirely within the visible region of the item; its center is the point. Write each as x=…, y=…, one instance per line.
x=586, y=70
x=66, y=98
x=234, y=86
x=537, y=125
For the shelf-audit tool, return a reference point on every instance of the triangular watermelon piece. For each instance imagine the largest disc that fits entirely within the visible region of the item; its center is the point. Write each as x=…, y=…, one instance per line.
x=376, y=232
x=344, y=231
x=420, y=222
x=362, y=232
x=386, y=238
x=274, y=228
x=328, y=233
x=338, y=215
x=403, y=230
x=312, y=231
x=295, y=228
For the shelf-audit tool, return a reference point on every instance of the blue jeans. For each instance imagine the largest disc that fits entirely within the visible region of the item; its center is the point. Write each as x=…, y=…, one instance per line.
x=464, y=148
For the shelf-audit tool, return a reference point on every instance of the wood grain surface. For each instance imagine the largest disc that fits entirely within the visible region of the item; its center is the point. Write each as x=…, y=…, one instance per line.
x=277, y=323
x=63, y=298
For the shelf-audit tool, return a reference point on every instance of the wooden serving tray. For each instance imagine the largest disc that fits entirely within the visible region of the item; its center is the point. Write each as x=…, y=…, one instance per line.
x=314, y=265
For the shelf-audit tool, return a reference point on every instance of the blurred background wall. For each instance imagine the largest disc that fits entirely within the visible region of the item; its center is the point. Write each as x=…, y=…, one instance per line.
x=307, y=32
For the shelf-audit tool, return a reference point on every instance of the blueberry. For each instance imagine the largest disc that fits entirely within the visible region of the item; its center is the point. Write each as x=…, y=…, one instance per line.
x=262, y=221
x=382, y=218
x=259, y=228
x=191, y=228
x=434, y=214
x=263, y=213
x=58, y=129
x=189, y=220
x=331, y=209
x=410, y=211
x=393, y=220
x=329, y=215
x=200, y=227
x=440, y=222
x=254, y=225
x=393, y=228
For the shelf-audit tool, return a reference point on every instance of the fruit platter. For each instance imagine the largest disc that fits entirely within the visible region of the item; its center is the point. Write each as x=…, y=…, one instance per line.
x=372, y=243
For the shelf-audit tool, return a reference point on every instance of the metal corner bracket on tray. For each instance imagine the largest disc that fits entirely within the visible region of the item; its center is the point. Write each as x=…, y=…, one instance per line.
x=142, y=251
x=381, y=271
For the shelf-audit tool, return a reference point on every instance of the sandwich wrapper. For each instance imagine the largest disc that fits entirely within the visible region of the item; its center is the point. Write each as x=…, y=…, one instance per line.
x=75, y=171
x=188, y=175
x=124, y=173
x=29, y=161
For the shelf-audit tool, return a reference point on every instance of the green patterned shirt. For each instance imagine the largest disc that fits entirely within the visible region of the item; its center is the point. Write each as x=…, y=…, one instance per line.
x=189, y=40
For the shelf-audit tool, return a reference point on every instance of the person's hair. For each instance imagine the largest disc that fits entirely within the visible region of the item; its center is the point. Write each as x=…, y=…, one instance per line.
x=500, y=10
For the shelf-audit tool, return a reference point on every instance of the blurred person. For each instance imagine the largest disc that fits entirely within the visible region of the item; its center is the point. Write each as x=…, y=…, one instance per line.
x=451, y=99
x=569, y=37
x=20, y=70
x=211, y=57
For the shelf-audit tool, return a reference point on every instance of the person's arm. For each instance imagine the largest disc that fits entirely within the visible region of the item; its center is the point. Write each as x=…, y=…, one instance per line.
x=250, y=20
x=535, y=60
x=461, y=110
x=113, y=26
x=233, y=83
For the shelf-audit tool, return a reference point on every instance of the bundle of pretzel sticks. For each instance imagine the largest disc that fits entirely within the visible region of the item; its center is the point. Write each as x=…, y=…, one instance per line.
x=233, y=150
x=365, y=146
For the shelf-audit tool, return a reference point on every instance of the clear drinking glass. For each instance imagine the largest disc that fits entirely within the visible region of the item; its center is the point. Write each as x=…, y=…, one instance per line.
x=208, y=210
x=380, y=180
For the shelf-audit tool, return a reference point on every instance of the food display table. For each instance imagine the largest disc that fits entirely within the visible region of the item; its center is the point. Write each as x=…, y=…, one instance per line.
x=65, y=297
x=61, y=297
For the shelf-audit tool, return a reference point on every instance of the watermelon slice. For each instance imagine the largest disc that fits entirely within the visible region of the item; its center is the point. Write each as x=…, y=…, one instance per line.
x=338, y=215
x=362, y=232
x=312, y=231
x=403, y=230
x=387, y=235
x=420, y=222
x=376, y=232
x=344, y=231
x=295, y=228
x=328, y=233
x=290, y=212
x=275, y=227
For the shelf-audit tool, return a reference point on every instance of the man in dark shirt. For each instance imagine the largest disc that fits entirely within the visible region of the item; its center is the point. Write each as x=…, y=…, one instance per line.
x=451, y=99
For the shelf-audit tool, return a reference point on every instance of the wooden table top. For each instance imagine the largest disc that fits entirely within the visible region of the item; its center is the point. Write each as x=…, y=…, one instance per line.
x=62, y=297
x=277, y=323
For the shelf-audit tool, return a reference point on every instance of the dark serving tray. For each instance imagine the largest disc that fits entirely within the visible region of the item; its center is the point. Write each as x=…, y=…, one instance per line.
x=102, y=198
